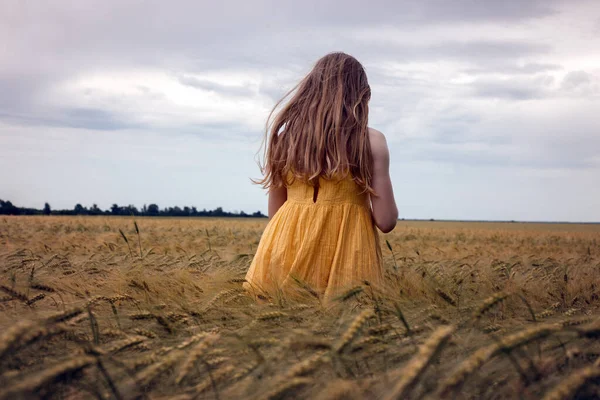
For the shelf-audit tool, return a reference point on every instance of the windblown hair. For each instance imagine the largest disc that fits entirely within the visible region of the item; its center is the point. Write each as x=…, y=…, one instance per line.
x=322, y=130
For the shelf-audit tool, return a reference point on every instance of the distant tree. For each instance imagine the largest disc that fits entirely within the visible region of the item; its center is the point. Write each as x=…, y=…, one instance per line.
x=130, y=210
x=176, y=211
x=7, y=208
x=153, y=209
x=94, y=210
x=115, y=209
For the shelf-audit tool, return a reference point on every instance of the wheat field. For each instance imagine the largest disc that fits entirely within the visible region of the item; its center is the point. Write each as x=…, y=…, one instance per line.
x=117, y=308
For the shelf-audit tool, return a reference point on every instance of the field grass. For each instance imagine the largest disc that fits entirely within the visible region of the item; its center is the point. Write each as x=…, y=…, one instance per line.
x=100, y=307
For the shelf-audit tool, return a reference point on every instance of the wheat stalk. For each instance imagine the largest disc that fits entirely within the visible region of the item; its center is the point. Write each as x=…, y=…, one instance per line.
x=26, y=335
x=14, y=293
x=46, y=377
x=220, y=296
x=117, y=346
x=419, y=363
x=482, y=355
x=149, y=374
x=35, y=299
x=196, y=353
x=590, y=331
x=283, y=389
x=145, y=332
x=445, y=296
x=569, y=386
x=488, y=304
x=341, y=390
x=65, y=315
x=213, y=362
x=112, y=332
x=142, y=315
x=309, y=343
x=353, y=330
x=43, y=288
x=350, y=293
x=188, y=342
x=214, y=378
x=142, y=362
x=12, y=335
x=270, y=315
x=306, y=366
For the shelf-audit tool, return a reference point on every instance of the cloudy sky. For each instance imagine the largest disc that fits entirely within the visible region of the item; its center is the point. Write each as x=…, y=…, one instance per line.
x=491, y=108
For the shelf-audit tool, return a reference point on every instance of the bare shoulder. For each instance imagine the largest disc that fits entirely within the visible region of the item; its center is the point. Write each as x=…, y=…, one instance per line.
x=378, y=143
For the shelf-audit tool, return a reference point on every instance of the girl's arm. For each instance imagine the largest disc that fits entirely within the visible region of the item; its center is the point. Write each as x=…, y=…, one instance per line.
x=276, y=199
x=385, y=212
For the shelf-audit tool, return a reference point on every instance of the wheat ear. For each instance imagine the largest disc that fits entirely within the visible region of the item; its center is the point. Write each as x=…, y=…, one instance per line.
x=482, y=355
x=306, y=366
x=14, y=293
x=27, y=334
x=419, y=363
x=285, y=387
x=149, y=374
x=215, y=377
x=353, y=330
x=196, y=352
x=572, y=383
x=12, y=335
x=488, y=304
x=119, y=345
x=46, y=377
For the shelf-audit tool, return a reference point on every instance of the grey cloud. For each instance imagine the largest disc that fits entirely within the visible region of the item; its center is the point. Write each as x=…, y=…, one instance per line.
x=96, y=119
x=207, y=85
x=159, y=33
x=568, y=154
x=515, y=92
x=576, y=79
x=16, y=91
x=88, y=118
x=219, y=132
x=515, y=89
x=486, y=50
x=481, y=56
x=511, y=69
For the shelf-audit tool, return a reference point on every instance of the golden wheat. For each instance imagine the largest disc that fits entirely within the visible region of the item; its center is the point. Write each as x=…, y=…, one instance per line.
x=195, y=353
x=488, y=304
x=567, y=388
x=284, y=388
x=353, y=330
x=27, y=386
x=419, y=363
x=142, y=318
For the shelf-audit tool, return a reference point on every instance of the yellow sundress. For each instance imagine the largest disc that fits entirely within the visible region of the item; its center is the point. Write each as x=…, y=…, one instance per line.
x=323, y=238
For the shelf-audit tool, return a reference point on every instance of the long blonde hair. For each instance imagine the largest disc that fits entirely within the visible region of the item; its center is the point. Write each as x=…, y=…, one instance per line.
x=322, y=130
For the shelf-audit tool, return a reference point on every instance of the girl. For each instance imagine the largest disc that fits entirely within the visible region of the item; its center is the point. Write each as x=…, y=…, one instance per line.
x=327, y=176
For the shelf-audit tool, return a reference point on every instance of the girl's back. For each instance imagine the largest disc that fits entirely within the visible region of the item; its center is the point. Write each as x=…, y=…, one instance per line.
x=324, y=169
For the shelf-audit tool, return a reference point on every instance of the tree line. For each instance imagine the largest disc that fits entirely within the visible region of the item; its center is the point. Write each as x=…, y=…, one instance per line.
x=151, y=210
